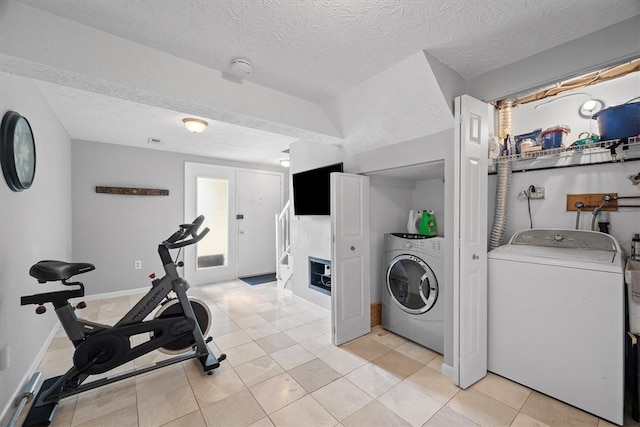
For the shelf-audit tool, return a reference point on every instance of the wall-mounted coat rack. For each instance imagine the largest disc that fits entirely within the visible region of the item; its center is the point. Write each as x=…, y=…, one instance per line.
x=131, y=191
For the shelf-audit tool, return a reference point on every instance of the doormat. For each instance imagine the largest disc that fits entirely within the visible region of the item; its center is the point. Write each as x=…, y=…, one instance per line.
x=258, y=280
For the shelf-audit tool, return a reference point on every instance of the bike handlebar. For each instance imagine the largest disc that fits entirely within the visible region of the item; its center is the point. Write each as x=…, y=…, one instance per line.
x=177, y=239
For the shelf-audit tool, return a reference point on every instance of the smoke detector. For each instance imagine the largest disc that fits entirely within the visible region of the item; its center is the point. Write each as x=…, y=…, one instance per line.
x=240, y=67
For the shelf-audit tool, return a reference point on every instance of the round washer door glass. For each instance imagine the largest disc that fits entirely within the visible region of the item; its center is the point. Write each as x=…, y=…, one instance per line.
x=412, y=284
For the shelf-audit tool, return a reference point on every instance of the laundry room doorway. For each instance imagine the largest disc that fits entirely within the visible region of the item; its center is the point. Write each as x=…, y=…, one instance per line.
x=239, y=206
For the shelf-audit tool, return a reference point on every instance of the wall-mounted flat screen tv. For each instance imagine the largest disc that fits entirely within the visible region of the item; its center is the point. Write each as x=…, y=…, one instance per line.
x=311, y=190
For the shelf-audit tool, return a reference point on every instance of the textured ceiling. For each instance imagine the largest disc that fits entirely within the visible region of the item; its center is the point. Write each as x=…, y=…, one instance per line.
x=130, y=123
x=327, y=54
x=319, y=49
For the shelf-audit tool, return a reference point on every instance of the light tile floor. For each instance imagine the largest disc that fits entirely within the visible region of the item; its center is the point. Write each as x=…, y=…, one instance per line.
x=282, y=370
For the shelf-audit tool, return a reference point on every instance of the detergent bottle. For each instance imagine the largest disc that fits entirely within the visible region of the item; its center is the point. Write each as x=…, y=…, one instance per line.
x=413, y=223
x=428, y=225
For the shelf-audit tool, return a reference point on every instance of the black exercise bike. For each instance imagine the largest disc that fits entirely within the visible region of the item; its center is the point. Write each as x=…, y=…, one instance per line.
x=177, y=327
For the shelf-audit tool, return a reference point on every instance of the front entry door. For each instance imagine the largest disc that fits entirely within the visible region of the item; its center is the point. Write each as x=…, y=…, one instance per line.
x=259, y=200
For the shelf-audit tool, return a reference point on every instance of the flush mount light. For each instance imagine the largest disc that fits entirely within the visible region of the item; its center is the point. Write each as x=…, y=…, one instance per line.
x=194, y=125
x=590, y=107
x=285, y=163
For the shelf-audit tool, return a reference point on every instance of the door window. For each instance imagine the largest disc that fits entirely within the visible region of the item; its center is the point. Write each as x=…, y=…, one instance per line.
x=212, y=201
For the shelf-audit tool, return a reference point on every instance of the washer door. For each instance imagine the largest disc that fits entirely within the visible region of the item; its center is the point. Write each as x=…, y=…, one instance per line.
x=412, y=284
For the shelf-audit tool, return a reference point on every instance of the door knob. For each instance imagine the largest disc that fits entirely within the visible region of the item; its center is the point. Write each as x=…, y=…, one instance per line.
x=353, y=248
x=476, y=256
x=241, y=232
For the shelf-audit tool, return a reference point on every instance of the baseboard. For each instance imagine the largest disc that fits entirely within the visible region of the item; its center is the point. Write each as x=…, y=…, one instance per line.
x=448, y=371
x=376, y=314
x=304, y=301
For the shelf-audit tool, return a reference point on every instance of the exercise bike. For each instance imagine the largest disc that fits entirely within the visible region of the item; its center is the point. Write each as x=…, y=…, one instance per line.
x=177, y=327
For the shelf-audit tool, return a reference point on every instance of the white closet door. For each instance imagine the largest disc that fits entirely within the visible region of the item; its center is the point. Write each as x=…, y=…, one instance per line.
x=470, y=233
x=350, y=281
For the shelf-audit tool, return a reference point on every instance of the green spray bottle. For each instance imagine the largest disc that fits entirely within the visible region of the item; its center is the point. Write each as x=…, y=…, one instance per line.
x=428, y=225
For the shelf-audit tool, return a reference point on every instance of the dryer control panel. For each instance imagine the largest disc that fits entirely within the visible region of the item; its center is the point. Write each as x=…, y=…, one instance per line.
x=428, y=245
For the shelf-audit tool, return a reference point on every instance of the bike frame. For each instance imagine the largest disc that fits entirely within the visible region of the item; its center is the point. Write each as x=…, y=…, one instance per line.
x=78, y=329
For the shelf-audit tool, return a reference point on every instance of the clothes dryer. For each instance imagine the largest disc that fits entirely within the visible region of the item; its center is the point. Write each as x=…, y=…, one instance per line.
x=412, y=298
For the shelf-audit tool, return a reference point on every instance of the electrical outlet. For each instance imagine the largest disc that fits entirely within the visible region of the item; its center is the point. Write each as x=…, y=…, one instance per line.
x=138, y=265
x=538, y=193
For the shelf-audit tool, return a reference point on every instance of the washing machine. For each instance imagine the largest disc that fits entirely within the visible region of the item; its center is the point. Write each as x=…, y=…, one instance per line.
x=556, y=317
x=412, y=296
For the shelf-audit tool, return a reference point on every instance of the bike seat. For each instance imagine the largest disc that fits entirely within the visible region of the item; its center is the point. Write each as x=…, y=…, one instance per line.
x=52, y=271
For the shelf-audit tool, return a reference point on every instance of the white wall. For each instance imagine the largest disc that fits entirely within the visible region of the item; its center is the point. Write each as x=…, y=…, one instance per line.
x=429, y=195
x=563, y=108
x=34, y=224
x=551, y=212
x=310, y=235
x=390, y=202
x=112, y=231
x=605, y=178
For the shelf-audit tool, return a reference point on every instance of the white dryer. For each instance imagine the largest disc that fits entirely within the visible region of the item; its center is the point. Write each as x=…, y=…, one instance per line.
x=556, y=317
x=412, y=299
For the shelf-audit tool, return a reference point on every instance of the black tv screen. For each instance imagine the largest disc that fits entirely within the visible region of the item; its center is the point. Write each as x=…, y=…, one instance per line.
x=311, y=190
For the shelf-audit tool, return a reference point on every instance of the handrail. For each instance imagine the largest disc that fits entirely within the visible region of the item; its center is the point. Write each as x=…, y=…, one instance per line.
x=283, y=237
x=285, y=210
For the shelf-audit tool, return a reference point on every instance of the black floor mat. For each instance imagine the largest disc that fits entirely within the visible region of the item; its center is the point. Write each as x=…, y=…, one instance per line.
x=258, y=280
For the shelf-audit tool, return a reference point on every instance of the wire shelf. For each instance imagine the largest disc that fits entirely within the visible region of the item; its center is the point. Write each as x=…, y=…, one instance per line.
x=575, y=155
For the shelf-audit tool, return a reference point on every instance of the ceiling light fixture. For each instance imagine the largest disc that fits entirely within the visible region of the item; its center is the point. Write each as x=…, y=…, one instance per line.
x=590, y=107
x=194, y=125
x=285, y=163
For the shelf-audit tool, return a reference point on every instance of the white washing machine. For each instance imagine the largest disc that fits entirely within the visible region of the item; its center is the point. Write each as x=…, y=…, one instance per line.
x=556, y=317
x=412, y=297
